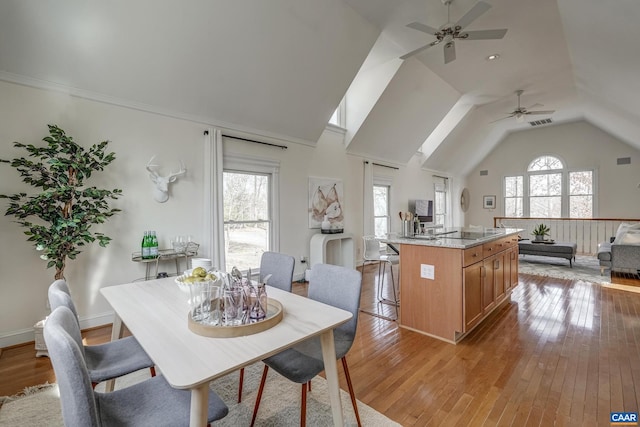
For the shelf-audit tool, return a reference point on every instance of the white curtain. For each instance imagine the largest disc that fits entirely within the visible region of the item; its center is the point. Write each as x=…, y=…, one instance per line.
x=214, y=207
x=368, y=219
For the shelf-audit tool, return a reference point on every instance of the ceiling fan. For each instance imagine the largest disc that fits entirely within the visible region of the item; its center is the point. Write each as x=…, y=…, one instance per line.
x=520, y=112
x=448, y=32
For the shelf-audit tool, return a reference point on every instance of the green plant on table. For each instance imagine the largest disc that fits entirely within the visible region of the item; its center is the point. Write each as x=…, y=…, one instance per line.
x=540, y=231
x=65, y=209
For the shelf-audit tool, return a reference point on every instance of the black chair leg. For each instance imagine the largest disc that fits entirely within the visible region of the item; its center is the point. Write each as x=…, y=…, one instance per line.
x=259, y=396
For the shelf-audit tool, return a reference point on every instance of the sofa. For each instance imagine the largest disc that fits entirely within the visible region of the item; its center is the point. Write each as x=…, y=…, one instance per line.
x=622, y=253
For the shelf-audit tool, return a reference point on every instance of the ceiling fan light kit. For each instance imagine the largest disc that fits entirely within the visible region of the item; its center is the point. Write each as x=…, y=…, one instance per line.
x=449, y=33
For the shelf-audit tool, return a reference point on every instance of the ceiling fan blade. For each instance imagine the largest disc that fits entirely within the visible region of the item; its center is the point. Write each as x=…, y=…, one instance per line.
x=484, y=34
x=541, y=112
x=503, y=118
x=420, y=49
x=537, y=104
x=449, y=52
x=422, y=27
x=477, y=10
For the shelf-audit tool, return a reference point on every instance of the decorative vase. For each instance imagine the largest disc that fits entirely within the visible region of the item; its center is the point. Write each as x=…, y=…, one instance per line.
x=539, y=237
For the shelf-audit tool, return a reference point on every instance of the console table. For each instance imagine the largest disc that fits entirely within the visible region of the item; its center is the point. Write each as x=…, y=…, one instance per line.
x=337, y=249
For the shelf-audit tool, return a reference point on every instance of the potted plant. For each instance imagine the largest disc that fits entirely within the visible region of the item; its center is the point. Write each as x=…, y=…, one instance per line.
x=58, y=218
x=540, y=231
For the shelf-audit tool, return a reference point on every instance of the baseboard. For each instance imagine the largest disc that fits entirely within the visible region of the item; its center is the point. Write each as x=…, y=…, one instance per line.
x=23, y=336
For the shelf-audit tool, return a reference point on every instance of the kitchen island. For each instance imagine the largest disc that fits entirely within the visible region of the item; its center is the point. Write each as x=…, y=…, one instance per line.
x=453, y=279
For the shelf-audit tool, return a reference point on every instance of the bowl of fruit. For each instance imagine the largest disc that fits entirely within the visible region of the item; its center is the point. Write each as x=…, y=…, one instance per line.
x=196, y=275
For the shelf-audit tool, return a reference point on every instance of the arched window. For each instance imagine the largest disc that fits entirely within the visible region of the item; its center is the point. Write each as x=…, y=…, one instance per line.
x=549, y=190
x=545, y=187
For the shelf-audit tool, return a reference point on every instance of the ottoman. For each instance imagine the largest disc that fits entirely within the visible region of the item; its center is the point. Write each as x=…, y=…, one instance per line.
x=565, y=250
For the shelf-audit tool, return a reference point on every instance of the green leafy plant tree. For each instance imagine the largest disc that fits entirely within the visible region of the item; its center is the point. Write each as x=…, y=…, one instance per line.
x=58, y=219
x=540, y=231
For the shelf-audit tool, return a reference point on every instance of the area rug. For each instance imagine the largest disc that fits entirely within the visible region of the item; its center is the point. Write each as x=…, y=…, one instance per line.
x=585, y=268
x=280, y=406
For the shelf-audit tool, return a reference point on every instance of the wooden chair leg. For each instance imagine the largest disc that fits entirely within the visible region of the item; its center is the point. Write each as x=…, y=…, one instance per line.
x=240, y=383
x=259, y=396
x=351, y=392
x=153, y=371
x=303, y=406
x=93, y=385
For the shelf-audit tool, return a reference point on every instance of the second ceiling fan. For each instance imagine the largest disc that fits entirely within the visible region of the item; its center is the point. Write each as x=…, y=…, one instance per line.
x=521, y=112
x=449, y=33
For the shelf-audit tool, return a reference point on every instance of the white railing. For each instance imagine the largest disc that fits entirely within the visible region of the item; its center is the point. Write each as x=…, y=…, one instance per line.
x=587, y=233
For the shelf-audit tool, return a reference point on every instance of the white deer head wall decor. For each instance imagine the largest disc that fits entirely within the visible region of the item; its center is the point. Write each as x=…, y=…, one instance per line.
x=161, y=191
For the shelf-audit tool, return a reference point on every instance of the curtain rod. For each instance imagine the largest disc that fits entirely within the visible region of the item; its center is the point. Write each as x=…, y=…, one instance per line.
x=283, y=147
x=384, y=166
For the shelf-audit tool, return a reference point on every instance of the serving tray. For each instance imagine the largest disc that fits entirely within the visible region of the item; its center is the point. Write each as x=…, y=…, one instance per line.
x=275, y=313
x=547, y=242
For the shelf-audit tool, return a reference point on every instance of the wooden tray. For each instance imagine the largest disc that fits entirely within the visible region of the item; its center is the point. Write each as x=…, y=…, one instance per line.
x=275, y=313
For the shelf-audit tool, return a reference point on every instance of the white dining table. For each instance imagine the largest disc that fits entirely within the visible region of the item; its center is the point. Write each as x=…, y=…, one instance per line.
x=156, y=313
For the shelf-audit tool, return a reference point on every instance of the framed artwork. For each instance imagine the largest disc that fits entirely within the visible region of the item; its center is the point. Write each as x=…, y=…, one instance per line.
x=326, y=197
x=489, y=202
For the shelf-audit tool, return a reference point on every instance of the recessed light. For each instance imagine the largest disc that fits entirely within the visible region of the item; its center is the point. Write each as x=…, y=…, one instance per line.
x=493, y=57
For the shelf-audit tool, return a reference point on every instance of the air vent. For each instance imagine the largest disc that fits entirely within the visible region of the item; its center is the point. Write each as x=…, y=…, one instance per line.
x=623, y=160
x=484, y=173
x=540, y=122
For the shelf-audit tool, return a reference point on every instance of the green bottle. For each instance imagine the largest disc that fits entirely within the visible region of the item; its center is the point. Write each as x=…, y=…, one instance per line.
x=145, y=245
x=153, y=247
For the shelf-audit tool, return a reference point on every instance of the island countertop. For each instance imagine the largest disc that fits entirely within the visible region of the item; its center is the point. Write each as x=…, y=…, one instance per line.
x=454, y=237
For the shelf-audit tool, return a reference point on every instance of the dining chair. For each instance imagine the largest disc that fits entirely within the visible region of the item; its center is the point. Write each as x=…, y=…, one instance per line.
x=372, y=255
x=280, y=267
x=152, y=402
x=104, y=361
x=336, y=286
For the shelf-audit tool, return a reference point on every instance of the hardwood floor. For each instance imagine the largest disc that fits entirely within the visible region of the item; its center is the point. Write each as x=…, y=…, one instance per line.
x=560, y=353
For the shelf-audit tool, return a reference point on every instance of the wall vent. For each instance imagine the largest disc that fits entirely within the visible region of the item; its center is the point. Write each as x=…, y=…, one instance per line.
x=540, y=122
x=484, y=173
x=624, y=160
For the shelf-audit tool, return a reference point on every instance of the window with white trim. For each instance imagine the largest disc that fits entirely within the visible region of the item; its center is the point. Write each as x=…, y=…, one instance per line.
x=549, y=190
x=250, y=200
x=382, y=220
x=440, y=204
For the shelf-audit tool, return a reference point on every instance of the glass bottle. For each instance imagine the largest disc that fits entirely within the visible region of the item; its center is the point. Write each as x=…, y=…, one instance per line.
x=145, y=246
x=153, y=250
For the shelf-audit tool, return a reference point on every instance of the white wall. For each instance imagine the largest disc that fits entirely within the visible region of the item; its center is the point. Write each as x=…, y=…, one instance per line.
x=581, y=146
x=136, y=136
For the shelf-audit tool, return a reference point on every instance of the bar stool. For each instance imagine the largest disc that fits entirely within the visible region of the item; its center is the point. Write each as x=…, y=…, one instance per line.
x=372, y=255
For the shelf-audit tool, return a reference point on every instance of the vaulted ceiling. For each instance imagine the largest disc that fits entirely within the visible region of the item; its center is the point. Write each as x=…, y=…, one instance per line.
x=280, y=68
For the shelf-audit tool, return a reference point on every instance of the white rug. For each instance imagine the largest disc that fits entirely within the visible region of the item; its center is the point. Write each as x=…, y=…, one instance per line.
x=585, y=268
x=280, y=404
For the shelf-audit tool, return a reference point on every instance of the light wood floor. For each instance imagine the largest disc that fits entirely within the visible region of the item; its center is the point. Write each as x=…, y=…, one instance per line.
x=560, y=353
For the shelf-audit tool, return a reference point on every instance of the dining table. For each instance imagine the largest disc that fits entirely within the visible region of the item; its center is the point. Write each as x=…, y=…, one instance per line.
x=156, y=312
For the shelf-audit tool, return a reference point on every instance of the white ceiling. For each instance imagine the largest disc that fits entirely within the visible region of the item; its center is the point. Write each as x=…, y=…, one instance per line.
x=280, y=68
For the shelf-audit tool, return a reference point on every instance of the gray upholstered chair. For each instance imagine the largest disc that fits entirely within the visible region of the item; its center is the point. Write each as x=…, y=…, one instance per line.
x=149, y=403
x=280, y=267
x=105, y=361
x=333, y=285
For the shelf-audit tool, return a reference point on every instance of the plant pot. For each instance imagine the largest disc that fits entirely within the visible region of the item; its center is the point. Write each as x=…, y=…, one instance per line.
x=538, y=238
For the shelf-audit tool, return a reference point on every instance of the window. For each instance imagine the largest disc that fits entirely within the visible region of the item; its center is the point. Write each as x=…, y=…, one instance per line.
x=440, y=205
x=548, y=190
x=338, y=118
x=381, y=209
x=247, y=219
x=513, y=196
x=581, y=194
